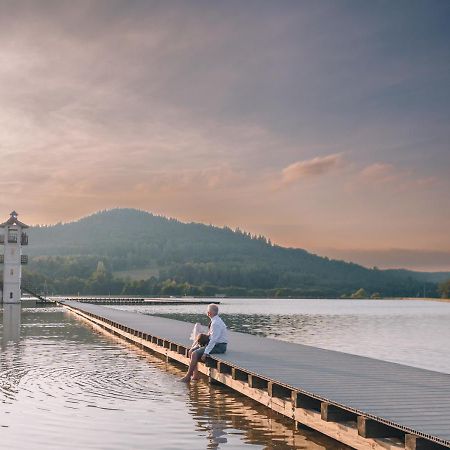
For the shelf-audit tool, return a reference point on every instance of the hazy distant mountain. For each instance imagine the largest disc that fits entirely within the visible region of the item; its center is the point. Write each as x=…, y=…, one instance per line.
x=130, y=242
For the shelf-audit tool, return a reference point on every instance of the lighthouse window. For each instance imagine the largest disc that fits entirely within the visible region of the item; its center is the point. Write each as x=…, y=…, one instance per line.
x=12, y=236
x=11, y=272
x=10, y=295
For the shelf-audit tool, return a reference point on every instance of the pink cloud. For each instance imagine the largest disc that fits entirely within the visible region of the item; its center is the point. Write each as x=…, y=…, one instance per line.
x=310, y=168
x=379, y=173
x=426, y=182
x=388, y=174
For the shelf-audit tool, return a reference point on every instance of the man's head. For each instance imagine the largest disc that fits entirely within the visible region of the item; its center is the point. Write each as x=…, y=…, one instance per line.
x=213, y=310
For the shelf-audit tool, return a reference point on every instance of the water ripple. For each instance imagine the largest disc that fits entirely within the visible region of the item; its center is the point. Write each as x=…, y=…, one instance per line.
x=62, y=385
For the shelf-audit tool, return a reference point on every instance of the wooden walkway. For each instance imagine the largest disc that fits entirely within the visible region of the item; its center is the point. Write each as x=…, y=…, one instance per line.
x=362, y=402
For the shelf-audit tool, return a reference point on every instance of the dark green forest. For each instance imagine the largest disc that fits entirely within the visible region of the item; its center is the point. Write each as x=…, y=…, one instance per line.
x=132, y=252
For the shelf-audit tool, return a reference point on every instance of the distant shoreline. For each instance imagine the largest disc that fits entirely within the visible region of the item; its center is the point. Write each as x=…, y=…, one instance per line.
x=426, y=299
x=218, y=299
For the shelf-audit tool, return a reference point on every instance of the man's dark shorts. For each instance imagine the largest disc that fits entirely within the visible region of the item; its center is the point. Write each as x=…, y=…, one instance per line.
x=218, y=348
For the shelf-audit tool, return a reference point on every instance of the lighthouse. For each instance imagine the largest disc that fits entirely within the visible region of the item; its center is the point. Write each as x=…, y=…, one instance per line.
x=13, y=238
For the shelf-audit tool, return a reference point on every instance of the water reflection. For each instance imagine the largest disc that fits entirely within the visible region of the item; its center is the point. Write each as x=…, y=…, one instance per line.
x=70, y=383
x=11, y=371
x=11, y=323
x=223, y=417
x=92, y=391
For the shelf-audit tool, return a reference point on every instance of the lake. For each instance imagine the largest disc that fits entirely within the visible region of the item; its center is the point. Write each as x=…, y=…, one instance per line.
x=64, y=385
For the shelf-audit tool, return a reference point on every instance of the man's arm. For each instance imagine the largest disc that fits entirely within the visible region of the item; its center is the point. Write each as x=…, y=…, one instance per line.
x=212, y=340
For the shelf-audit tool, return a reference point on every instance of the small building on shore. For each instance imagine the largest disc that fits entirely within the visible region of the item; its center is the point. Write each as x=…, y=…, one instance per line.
x=12, y=238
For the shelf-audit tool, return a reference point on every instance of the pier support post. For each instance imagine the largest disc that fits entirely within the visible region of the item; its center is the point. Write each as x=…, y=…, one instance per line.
x=239, y=375
x=413, y=442
x=331, y=413
x=369, y=428
x=223, y=368
x=256, y=382
x=300, y=400
x=276, y=390
x=214, y=382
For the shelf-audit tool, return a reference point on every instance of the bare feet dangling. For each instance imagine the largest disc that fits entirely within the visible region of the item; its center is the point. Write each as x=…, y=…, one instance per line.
x=184, y=380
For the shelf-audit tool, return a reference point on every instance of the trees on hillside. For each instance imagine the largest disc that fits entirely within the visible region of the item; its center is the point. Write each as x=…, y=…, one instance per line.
x=184, y=258
x=359, y=294
x=444, y=289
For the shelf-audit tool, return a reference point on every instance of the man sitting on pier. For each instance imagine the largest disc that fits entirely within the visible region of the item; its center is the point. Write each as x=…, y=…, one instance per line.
x=217, y=343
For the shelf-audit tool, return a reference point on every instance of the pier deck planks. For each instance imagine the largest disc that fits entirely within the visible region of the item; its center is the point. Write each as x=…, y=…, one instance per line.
x=414, y=400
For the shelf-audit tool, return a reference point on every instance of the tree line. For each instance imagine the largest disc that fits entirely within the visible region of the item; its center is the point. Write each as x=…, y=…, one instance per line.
x=193, y=259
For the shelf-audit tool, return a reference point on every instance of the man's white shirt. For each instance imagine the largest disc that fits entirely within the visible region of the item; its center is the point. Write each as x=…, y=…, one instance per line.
x=217, y=334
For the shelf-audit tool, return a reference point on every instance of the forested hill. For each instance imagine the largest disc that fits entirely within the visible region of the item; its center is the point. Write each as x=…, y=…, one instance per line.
x=134, y=252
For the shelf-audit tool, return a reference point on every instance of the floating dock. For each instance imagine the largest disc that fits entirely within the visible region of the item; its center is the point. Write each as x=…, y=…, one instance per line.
x=362, y=402
x=136, y=301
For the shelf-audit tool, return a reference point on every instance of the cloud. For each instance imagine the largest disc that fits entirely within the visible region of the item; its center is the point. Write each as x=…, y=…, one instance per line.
x=199, y=112
x=379, y=173
x=310, y=168
x=390, y=176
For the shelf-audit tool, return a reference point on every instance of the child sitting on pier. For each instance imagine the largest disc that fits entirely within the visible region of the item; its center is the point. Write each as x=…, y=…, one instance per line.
x=217, y=343
x=199, y=337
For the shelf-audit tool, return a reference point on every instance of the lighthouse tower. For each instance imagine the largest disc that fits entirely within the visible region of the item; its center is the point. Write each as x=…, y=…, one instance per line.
x=13, y=238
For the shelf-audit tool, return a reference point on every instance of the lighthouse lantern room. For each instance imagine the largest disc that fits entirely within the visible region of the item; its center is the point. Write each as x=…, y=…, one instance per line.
x=13, y=238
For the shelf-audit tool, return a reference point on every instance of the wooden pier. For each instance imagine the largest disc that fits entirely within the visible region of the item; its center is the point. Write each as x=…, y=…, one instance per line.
x=361, y=402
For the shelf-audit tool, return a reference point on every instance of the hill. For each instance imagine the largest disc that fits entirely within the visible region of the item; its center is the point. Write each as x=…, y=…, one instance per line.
x=192, y=258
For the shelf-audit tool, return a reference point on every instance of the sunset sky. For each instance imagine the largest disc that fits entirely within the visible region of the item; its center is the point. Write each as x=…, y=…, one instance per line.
x=323, y=125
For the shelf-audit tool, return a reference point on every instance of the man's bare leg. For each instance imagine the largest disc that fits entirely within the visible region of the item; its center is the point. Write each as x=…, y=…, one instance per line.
x=195, y=373
x=192, y=368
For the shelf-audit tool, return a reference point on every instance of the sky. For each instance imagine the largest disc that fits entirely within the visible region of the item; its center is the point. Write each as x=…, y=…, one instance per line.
x=323, y=125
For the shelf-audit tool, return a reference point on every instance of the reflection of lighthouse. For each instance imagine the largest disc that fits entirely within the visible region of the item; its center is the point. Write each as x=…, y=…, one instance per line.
x=13, y=238
x=11, y=323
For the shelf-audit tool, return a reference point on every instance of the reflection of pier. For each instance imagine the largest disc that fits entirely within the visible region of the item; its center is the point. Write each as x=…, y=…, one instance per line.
x=361, y=402
x=219, y=414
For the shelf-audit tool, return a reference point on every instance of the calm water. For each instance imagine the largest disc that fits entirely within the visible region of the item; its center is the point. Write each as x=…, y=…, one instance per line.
x=64, y=385
x=416, y=333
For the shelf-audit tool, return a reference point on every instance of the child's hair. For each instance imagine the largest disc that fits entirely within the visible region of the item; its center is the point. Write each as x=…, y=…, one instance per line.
x=202, y=339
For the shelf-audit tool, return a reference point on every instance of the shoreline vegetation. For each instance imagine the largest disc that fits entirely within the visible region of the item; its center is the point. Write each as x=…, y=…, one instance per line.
x=426, y=299
x=132, y=252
